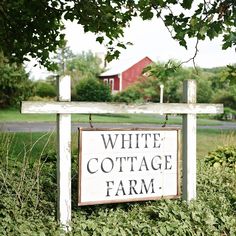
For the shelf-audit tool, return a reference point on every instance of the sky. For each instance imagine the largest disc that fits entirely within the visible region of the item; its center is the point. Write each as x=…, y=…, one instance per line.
x=149, y=38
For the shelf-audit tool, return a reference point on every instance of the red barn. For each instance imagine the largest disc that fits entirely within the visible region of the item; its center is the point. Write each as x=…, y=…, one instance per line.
x=124, y=73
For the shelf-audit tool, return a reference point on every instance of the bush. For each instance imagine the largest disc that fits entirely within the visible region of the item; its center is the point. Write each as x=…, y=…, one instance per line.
x=229, y=114
x=228, y=98
x=44, y=89
x=223, y=156
x=92, y=90
x=131, y=94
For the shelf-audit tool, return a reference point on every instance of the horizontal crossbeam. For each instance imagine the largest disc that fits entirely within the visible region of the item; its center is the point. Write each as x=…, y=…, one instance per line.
x=119, y=108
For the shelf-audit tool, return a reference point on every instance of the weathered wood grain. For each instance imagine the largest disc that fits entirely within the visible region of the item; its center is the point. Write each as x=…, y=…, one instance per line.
x=189, y=143
x=114, y=108
x=64, y=157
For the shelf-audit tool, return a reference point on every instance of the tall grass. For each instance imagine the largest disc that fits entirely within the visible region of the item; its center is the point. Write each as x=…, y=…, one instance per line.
x=210, y=139
x=23, y=185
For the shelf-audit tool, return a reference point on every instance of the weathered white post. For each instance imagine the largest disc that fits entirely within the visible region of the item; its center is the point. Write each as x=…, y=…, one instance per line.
x=189, y=143
x=64, y=156
x=161, y=93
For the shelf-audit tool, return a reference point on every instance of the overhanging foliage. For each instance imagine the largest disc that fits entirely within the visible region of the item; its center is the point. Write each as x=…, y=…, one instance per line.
x=33, y=28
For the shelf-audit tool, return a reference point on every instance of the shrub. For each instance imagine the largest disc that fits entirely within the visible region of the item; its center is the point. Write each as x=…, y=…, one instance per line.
x=44, y=89
x=228, y=98
x=131, y=94
x=229, y=114
x=223, y=156
x=92, y=90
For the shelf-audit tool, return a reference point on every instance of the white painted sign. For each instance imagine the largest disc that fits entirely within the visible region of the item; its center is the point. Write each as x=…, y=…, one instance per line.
x=128, y=165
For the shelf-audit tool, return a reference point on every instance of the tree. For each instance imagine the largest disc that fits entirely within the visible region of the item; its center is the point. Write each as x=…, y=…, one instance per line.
x=30, y=28
x=169, y=74
x=81, y=66
x=15, y=85
x=63, y=55
x=93, y=90
x=204, y=88
x=223, y=80
x=34, y=27
x=228, y=98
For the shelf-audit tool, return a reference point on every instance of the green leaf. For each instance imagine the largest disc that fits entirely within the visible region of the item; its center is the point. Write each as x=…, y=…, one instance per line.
x=183, y=43
x=121, y=45
x=168, y=20
x=187, y=4
x=100, y=39
x=147, y=14
x=217, y=165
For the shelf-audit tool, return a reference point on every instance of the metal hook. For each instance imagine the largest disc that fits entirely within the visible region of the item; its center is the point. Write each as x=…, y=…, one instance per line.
x=165, y=122
x=90, y=120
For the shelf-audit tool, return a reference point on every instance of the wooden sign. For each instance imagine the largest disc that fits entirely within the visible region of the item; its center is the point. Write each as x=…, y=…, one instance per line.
x=128, y=165
x=64, y=108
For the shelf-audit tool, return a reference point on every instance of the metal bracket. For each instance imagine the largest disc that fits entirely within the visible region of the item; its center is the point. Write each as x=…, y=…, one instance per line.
x=90, y=120
x=165, y=122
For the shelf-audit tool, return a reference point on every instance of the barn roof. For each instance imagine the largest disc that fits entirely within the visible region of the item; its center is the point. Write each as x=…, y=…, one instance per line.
x=118, y=66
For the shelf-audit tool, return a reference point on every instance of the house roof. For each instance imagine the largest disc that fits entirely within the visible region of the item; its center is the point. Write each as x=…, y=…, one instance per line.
x=118, y=66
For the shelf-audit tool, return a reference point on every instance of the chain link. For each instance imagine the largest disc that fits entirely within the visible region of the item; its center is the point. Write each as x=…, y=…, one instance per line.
x=165, y=122
x=90, y=121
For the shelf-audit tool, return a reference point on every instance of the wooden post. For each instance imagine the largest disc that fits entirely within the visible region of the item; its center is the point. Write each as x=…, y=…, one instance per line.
x=161, y=93
x=189, y=143
x=64, y=156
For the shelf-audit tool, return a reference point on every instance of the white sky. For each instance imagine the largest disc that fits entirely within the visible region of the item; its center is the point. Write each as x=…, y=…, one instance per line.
x=149, y=38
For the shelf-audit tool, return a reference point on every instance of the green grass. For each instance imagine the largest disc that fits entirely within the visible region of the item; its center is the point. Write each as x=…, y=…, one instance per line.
x=207, y=140
x=12, y=115
x=37, y=142
x=33, y=143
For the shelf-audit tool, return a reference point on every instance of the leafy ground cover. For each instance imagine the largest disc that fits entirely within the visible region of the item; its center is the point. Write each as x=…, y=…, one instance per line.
x=13, y=115
x=28, y=195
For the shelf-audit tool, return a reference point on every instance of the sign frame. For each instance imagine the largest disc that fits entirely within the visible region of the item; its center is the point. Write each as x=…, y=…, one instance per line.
x=135, y=199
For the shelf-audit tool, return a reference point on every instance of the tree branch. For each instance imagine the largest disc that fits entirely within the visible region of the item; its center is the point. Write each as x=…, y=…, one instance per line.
x=193, y=57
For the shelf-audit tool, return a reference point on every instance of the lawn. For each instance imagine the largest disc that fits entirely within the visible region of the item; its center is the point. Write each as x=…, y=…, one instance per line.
x=13, y=115
x=207, y=140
